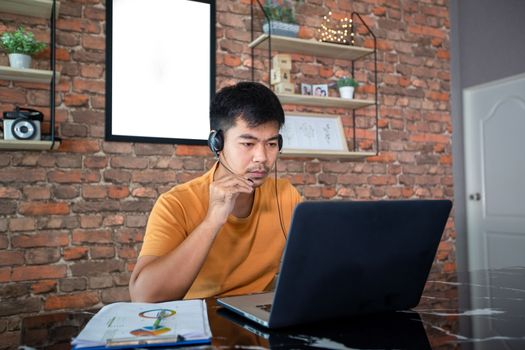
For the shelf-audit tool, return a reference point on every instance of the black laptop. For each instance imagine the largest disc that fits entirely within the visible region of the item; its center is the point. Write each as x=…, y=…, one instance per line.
x=345, y=258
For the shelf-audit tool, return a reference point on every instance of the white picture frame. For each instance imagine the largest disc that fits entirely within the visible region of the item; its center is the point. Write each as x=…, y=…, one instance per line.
x=313, y=134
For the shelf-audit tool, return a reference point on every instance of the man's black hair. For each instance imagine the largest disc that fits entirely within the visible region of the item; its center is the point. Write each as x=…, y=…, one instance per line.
x=252, y=102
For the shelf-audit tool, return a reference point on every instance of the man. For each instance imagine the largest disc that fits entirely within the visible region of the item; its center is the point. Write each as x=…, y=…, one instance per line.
x=222, y=233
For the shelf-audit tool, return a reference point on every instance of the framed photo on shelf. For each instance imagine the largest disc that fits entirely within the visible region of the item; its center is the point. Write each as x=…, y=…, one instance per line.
x=306, y=89
x=320, y=90
x=307, y=133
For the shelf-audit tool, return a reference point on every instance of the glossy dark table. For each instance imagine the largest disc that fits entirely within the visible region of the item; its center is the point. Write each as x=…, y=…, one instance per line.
x=479, y=310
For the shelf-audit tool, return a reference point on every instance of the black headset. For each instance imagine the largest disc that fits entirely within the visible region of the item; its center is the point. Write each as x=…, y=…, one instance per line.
x=216, y=141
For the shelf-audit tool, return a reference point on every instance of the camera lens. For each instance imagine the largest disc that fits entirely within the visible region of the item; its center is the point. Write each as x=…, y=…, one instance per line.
x=23, y=129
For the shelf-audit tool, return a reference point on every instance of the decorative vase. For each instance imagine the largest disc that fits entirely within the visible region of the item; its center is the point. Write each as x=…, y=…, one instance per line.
x=19, y=60
x=346, y=92
x=281, y=28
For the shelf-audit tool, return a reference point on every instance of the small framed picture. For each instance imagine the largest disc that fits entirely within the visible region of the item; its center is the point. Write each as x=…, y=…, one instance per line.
x=310, y=134
x=320, y=89
x=306, y=89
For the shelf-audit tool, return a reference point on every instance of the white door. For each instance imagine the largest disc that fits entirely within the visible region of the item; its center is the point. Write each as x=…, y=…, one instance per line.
x=494, y=137
x=495, y=173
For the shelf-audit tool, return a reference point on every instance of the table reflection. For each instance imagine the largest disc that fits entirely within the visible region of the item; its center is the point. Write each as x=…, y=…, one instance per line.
x=477, y=310
x=399, y=330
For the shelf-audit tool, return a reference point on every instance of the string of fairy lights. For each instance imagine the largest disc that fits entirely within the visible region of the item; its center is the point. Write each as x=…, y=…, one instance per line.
x=336, y=31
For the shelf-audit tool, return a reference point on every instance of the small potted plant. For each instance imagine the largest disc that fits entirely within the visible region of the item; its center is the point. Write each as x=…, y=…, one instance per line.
x=346, y=87
x=281, y=16
x=20, y=46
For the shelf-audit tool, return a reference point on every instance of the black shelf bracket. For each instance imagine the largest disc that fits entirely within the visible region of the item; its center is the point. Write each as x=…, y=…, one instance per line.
x=52, y=87
x=353, y=16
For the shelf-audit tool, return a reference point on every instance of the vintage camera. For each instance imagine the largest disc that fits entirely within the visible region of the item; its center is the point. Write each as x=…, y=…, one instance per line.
x=22, y=124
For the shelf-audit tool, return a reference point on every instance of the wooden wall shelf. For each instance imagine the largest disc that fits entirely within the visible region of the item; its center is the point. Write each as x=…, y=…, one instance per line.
x=310, y=47
x=308, y=100
x=327, y=154
x=32, y=8
x=27, y=75
x=28, y=145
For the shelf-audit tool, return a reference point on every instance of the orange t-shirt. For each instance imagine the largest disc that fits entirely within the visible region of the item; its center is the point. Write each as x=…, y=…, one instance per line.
x=245, y=255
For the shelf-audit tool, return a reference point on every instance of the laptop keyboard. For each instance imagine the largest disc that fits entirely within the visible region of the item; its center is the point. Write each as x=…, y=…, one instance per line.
x=265, y=307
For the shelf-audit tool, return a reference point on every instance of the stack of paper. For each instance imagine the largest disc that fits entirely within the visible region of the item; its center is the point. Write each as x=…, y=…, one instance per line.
x=122, y=325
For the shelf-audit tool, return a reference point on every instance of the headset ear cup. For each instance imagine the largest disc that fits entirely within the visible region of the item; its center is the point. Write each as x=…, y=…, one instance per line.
x=219, y=141
x=210, y=136
x=216, y=141
x=280, y=142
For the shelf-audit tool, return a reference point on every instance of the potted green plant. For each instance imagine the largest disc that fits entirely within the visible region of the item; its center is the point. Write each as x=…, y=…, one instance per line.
x=346, y=87
x=280, y=18
x=20, y=46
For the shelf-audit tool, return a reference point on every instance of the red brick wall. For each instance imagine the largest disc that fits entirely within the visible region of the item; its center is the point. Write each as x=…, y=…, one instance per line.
x=71, y=221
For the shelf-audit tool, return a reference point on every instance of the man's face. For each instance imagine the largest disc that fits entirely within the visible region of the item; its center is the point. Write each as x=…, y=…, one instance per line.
x=251, y=152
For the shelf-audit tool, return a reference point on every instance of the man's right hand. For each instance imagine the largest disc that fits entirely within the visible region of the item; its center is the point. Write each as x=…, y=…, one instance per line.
x=223, y=194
